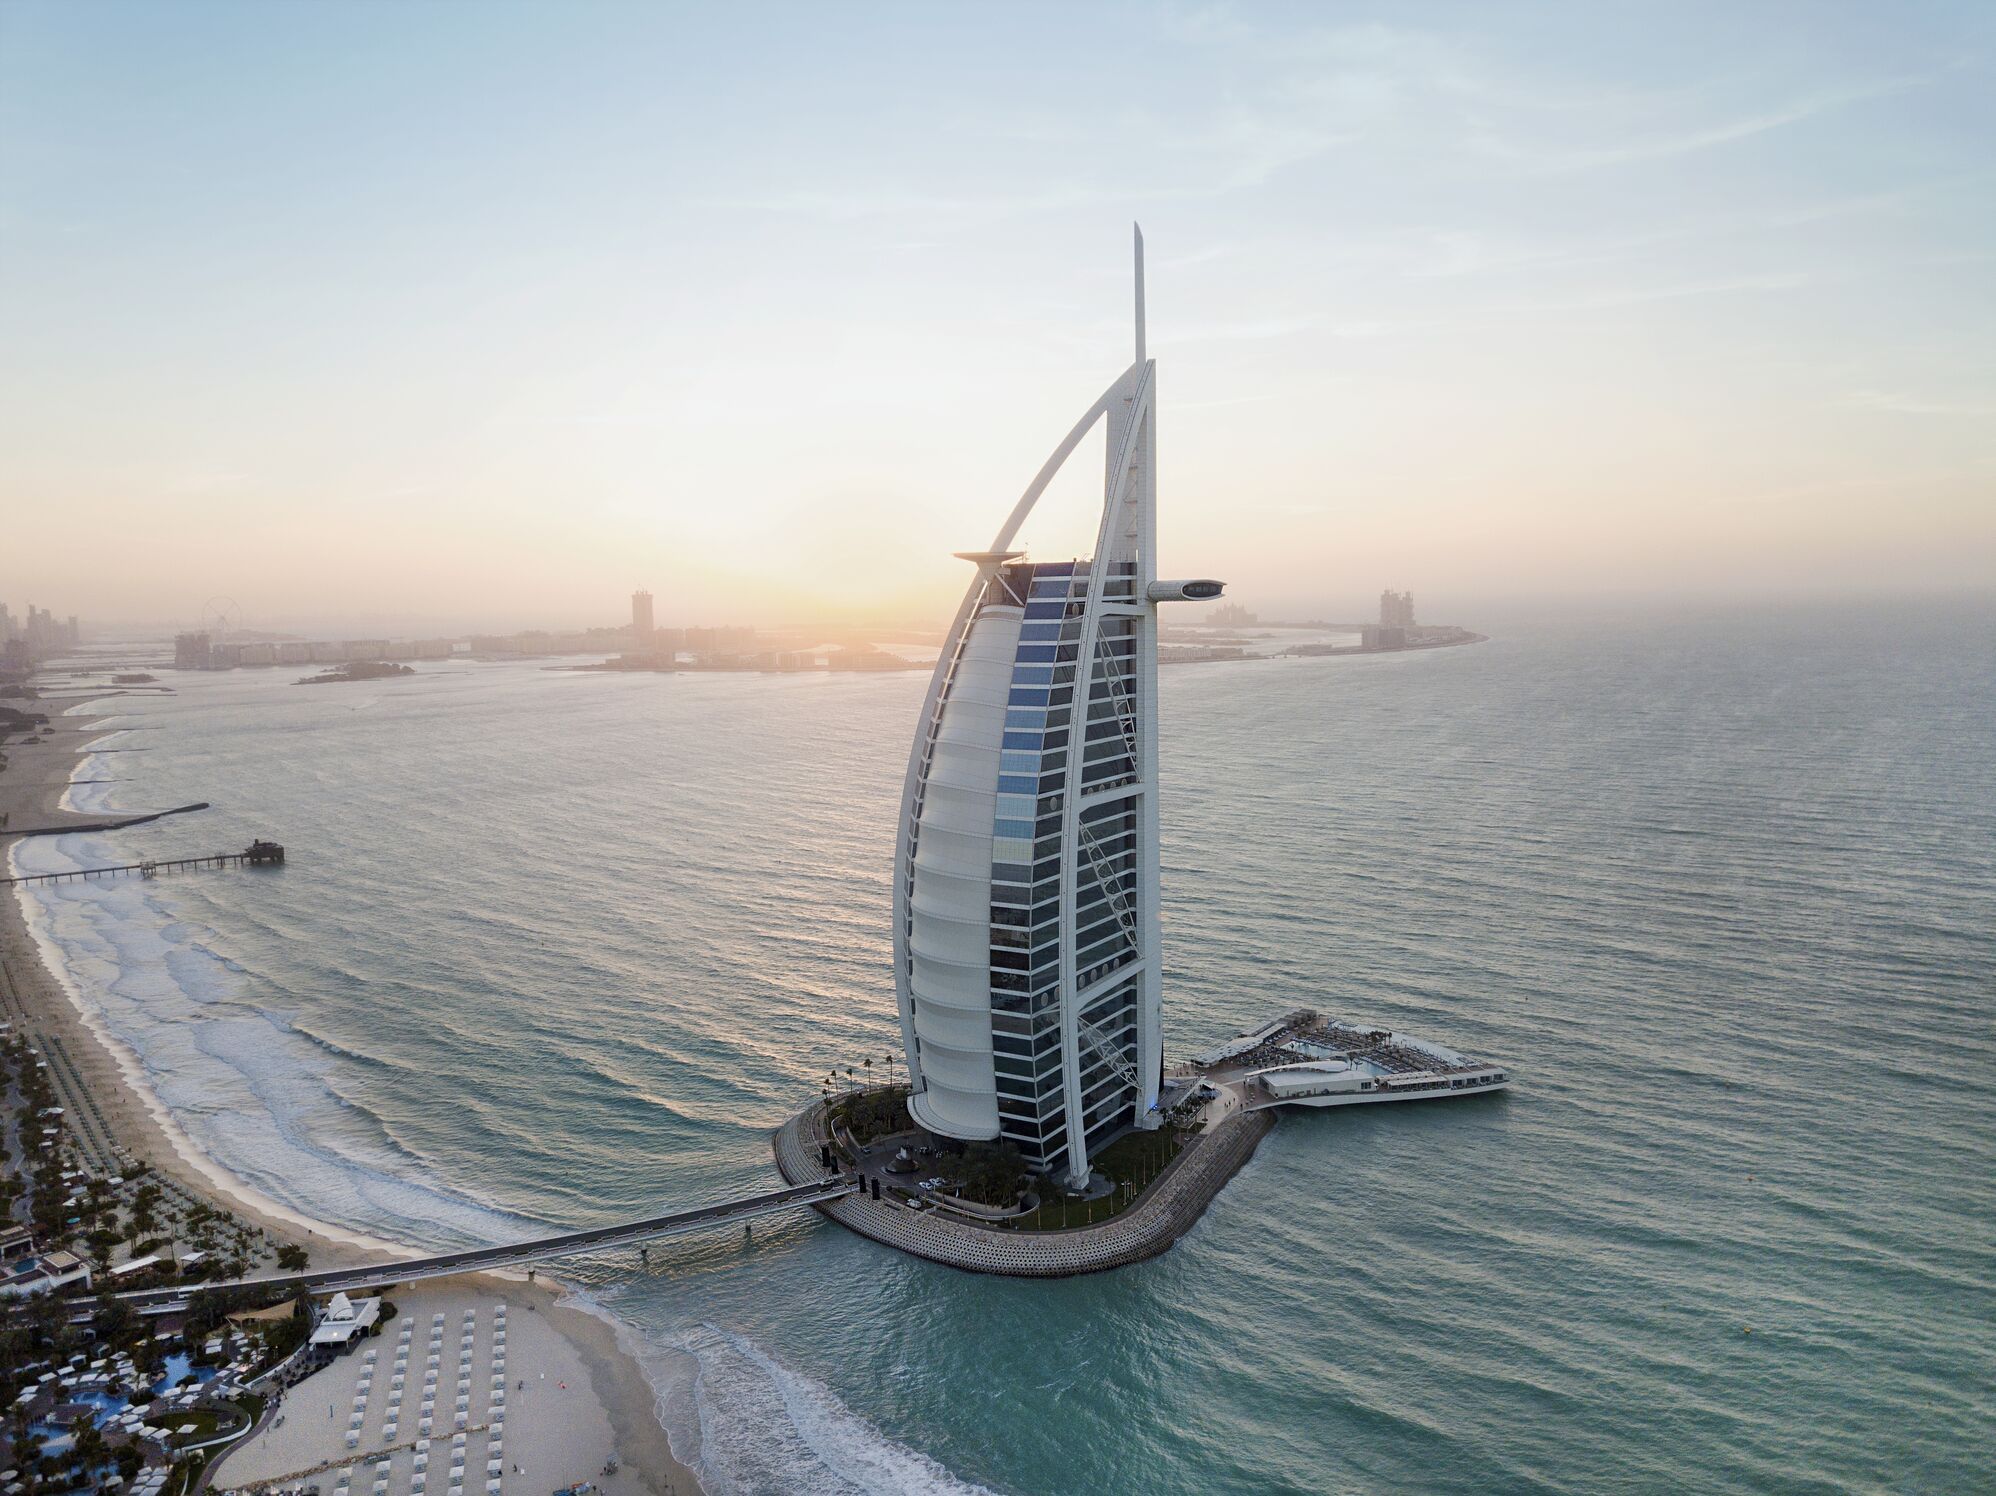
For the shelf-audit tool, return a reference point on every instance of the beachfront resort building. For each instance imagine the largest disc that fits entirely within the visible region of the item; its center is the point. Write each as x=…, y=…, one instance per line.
x=1026, y=871
x=344, y=1322
x=35, y=1272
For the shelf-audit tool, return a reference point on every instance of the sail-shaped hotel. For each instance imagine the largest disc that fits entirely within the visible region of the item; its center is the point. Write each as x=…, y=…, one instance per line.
x=1026, y=873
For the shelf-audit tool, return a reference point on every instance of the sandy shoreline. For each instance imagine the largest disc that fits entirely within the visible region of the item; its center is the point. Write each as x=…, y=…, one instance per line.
x=33, y=787
x=569, y=1403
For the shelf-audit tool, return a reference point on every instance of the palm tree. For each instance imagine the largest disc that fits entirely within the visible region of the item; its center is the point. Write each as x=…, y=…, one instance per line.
x=89, y=1441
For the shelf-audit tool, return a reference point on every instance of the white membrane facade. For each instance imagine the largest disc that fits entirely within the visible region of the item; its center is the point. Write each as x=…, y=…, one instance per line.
x=1026, y=871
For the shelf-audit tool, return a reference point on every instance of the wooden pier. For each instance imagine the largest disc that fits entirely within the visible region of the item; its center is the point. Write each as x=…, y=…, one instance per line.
x=256, y=854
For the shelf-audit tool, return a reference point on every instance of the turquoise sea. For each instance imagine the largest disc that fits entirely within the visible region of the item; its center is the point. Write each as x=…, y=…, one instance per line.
x=1718, y=886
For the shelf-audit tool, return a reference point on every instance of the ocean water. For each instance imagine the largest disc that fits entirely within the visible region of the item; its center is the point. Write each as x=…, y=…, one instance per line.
x=1720, y=888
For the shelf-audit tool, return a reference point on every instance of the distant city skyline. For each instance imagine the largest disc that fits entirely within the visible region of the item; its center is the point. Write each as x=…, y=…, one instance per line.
x=489, y=316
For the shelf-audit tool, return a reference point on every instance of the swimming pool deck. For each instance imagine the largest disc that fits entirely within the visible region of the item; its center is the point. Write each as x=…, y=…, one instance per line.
x=1165, y=1212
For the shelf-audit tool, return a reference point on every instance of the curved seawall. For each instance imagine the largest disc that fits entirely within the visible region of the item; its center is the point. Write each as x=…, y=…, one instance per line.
x=1166, y=1212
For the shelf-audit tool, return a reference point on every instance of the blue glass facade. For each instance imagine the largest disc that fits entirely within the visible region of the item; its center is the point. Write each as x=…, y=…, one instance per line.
x=1041, y=722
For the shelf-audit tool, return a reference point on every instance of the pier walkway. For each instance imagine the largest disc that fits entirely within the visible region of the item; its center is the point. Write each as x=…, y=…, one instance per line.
x=257, y=854
x=522, y=1253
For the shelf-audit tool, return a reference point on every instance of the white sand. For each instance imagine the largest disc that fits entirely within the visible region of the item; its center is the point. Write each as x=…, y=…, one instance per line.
x=543, y=1425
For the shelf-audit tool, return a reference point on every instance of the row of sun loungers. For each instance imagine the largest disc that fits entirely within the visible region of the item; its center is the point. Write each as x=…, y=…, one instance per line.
x=449, y=1476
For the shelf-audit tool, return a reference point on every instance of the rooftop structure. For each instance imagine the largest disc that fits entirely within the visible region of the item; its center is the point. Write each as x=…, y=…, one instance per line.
x=345, y=1319
x=1304, y=1059
x=1026, y=867
x=22, y=1276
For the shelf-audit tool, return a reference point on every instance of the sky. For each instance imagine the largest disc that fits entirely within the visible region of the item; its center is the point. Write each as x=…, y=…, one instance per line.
x=483, y=315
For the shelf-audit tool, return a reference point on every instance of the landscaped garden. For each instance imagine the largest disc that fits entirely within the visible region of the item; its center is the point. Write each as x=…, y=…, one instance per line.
x=1133, y=1162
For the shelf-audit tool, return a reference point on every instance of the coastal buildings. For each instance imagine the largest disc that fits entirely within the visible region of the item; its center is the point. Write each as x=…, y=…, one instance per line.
x=37, y=636
x=32, y=1272
x=725, y=647
x=200, y=651
x=1396, y=622
x=1026, y=869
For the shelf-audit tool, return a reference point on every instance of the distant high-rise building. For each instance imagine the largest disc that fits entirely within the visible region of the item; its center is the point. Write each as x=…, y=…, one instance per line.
x=190, y=651
x=1396, y=610
x=39, y=634
x=641, y=621
x=43, y=635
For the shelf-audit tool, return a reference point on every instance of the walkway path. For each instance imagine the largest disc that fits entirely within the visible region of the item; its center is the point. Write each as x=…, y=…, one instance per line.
x=813, y=1191
x=67, y=822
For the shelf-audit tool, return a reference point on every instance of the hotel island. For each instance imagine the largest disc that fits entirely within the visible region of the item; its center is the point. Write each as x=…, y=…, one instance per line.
x=1041, y=1132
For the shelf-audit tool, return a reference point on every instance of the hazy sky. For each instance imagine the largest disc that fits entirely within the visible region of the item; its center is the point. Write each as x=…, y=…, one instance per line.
x=492, y=312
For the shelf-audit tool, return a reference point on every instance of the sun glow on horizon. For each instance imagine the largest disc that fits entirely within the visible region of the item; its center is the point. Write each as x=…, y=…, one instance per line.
x=488, y=319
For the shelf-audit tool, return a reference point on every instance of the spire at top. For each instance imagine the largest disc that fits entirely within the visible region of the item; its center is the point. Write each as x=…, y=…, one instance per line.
x=1139, y=231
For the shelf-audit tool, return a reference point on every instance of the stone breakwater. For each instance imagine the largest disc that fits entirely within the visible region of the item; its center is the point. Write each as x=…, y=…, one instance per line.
x=1165, y=1213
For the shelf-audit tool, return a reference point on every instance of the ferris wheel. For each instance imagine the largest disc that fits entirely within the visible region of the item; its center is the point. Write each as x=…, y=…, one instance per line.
x=221, y=617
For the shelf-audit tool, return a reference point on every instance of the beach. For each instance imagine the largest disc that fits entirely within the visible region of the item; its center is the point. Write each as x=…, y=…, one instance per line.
x=544, y=1400
x=609, y=1414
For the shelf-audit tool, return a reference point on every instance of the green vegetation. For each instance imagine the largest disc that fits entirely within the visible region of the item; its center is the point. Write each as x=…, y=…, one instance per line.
x=89, y=1446
x=187, y=1473
x=115, y=1321
x=989, y=1173
x=874, y=1114
x=359, y=670
x=145, y=1210
x=1058, y=1213
x=1133, y=1161
x=87, y=1213
x=208, y=1423
x=283, y=1336
x=210, y=1307
x=1138, y=1157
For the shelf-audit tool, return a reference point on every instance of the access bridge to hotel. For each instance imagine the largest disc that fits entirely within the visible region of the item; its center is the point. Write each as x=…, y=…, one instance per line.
x=522, y=1253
